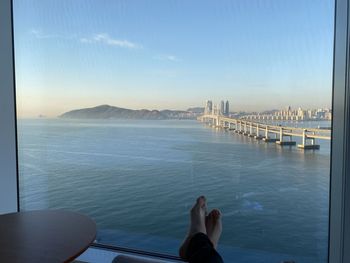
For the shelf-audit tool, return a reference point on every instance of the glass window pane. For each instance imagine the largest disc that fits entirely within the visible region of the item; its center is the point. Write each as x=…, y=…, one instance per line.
x=129, y=110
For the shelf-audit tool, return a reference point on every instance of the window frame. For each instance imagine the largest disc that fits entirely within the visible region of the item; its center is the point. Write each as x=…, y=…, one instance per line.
x=339, y=204
x=9, y=200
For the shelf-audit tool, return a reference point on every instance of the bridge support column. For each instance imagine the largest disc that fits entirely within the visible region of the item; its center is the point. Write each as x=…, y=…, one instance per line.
x=245, y=129
x=281, y=134
x=257, y=136
x=282, y=142
x=240, y=131
x=267, y=138
x=307, y=146
x=251, y=134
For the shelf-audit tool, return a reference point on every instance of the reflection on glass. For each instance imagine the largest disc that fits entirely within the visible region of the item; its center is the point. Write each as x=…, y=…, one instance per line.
x=129, y=110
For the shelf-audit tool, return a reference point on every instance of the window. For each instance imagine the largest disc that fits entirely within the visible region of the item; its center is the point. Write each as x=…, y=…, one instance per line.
x=136, y=171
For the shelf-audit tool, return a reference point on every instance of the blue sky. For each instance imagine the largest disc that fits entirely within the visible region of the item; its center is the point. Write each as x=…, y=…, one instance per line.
x=159, y=54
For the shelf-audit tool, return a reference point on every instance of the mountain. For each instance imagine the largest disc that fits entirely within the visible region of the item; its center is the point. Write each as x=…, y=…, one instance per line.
x=111, y=112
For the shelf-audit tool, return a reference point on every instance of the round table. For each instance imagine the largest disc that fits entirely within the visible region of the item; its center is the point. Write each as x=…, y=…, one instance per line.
x=44, y=236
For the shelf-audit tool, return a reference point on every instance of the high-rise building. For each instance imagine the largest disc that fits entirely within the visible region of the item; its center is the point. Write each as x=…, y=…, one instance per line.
x=222, y=108
x=215, y=109
x=227, y=108
x=208, y=107
x=300, y=113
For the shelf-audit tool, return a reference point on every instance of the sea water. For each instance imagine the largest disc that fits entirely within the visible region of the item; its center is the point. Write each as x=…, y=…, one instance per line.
x=139, y=179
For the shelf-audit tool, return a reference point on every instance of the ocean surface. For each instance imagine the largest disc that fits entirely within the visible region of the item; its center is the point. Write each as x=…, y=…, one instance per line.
x=139, y=179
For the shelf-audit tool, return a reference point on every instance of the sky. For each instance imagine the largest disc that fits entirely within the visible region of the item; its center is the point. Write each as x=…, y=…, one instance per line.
x=172, y=54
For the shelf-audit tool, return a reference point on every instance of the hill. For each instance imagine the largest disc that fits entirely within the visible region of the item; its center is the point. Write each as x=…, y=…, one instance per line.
x=111, y=112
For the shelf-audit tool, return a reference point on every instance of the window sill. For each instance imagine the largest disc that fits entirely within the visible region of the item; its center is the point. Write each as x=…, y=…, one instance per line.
x=105, y=254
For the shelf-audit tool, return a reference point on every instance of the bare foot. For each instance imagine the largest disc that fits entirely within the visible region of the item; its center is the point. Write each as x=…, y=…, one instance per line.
x=214, y=226
x=198, y=213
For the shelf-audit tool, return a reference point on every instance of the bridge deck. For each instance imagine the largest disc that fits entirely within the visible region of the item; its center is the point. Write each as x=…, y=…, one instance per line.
x=308, y=133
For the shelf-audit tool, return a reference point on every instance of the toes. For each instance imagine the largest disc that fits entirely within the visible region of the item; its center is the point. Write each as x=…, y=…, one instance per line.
x=200, y=204
x=216, y=214
x=211, y=215
x=201, y=201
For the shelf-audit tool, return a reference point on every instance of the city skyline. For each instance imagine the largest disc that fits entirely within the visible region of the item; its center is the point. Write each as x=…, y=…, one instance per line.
x=286, y=113
x=172, y=55
x=221, y=108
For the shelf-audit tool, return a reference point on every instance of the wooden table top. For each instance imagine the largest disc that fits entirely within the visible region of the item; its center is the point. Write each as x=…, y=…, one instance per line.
x=44, y=236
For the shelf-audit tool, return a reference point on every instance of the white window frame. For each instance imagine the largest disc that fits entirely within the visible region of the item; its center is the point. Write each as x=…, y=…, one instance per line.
x=339, y=227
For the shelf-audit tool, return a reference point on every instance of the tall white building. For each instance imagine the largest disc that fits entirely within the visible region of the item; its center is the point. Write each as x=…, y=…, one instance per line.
x=301, y=113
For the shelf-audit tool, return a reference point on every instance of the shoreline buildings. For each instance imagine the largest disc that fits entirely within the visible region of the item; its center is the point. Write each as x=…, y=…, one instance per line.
x=287, y=114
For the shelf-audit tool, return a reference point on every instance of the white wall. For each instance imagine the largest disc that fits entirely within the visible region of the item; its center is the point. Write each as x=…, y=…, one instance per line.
x=8, y=171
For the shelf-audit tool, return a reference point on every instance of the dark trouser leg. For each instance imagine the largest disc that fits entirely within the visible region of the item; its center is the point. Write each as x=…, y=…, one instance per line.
x=201, y=250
